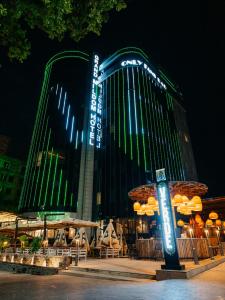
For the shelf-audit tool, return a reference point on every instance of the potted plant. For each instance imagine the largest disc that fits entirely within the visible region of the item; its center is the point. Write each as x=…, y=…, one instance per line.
x=35, y=246
x=23, y=244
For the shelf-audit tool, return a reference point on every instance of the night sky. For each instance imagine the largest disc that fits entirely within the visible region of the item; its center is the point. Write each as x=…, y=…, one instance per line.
x=187, y=38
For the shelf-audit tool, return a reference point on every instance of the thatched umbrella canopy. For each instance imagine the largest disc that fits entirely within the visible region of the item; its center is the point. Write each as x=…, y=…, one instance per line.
x=187, y=188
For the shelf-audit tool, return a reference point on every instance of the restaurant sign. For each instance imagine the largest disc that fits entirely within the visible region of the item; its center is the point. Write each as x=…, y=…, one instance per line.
x=167, y=224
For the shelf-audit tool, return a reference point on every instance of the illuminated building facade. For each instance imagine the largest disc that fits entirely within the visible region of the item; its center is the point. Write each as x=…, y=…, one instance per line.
x=101, y=130
x=57, y=158
x=144, y=129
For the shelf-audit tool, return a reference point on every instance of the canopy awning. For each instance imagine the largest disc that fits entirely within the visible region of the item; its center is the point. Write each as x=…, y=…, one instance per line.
x=187, y=188
x=36, y=225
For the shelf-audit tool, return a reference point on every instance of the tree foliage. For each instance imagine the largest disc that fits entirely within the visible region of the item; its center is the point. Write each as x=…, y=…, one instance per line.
x=56, y=18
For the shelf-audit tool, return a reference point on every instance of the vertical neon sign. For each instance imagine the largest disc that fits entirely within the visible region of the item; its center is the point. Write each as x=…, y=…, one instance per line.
x=168, y=233
x=95, y=118
x=99, y=118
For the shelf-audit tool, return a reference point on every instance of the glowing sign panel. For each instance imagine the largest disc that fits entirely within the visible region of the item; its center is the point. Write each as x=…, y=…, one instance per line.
x=136, y=62
x=95, y=118
x=166, y=218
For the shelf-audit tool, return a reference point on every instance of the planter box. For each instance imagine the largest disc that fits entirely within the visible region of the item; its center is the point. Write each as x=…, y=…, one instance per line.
x=54, y=261
x=28, y=269
x=39, y=261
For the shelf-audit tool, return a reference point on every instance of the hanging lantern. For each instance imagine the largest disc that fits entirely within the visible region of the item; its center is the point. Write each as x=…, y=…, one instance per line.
x=155, y=208
x=187, y=212
x=180, y=223
x=196, y=200
x=151, y=200
x=177, y=199
x=198, y=219
x=136, y=206
x=150, y=213
x=213, y=215
x=209, y=222
x=218, y=222
x=190, y=204
x=148, y=207
x=184, y=199
x=143, y=207
x=140, y=212
x=197, y=207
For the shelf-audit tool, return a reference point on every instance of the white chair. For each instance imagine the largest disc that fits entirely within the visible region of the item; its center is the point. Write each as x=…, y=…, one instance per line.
x=51, y=252
x=59, y=252
x=66, y=252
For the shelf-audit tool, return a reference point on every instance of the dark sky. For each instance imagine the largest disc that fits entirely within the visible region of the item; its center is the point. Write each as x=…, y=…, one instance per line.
x=187, y=38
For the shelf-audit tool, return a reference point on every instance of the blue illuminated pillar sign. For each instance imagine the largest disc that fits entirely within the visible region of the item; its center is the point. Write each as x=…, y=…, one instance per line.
x=167, y=225
x=95, y=117
x=99, y=118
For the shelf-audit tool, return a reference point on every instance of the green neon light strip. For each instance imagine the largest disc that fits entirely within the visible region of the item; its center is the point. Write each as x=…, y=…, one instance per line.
x=71, y=199
x=69, y=54
x=43, y=172
x=176, y=152
x=32, y=154
x=158, y=134
x=171, y=101
x=136, y=120
x=157, y=146
x=124, y=117
x=142, y=124
x=114, y=106
x=129, y=110
x=155, y=126
x=180, y=160
x=148, y=118
x=39, y=169
x=159, y=120
x=166, y=78
x=65, y=193
x=38, y=134
x=167, y=146
x=59, y=189
x=171, y=148
x=163, y=138
x=49, y=172
x=118, y=99
x=110, y=105
x=53, y=183
x=175, y=158
x=39, y=149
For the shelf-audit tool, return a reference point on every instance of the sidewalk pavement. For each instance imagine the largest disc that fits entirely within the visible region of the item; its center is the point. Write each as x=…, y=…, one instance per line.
x=139, y=268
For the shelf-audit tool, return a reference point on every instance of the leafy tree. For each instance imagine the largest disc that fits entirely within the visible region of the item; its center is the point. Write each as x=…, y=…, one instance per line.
x=77, y=18
x=35, y=244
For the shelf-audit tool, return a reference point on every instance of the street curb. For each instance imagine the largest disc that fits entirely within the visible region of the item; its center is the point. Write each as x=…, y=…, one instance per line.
x=27, y=269
x=187, y=274
x=116, y=273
